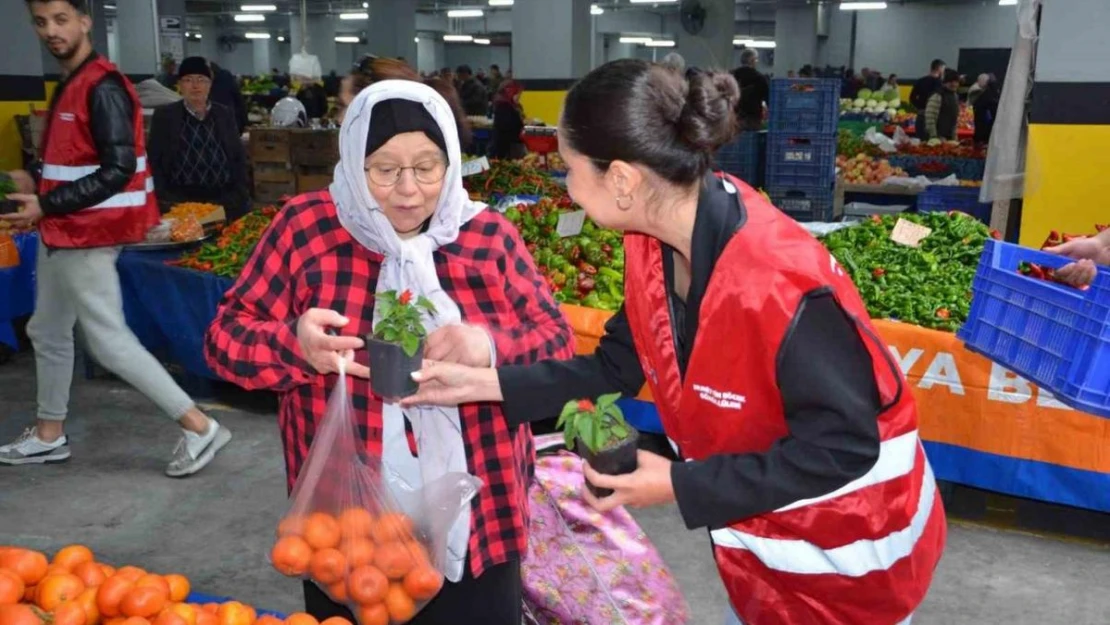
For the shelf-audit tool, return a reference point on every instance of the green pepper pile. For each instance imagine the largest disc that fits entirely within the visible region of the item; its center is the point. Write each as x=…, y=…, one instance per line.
x=586, y=269
x=231, y=249
x=512, y=178
x=850, y=144
x=930, y=285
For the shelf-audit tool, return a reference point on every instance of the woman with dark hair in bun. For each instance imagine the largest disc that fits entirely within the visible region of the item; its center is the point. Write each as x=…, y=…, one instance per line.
x=798, y=430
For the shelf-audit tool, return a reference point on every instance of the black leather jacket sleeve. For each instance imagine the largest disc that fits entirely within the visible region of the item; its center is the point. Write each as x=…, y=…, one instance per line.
x=111, y=112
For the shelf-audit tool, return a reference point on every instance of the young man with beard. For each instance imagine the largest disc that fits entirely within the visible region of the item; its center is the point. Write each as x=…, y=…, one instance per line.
x=92, y=195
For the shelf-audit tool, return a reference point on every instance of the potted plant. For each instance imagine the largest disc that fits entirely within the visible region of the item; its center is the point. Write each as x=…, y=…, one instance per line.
x=599, y=433
x=397, y=344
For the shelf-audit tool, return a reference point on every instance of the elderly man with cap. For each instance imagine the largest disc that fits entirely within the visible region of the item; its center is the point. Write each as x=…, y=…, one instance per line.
x=195, y=151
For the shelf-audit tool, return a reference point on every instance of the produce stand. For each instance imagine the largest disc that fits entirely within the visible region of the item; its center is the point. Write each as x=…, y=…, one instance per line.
x=17, y=288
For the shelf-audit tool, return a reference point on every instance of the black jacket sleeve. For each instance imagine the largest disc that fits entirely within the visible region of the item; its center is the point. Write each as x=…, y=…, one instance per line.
x=831, y=402
x=538, y=391
x=164, y=128
x=112, y=126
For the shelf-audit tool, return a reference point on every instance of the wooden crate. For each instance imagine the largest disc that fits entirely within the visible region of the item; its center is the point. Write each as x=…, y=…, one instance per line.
x=273, y=172
x=315, y=148
x=270, y=145
x=313, y=182
x=273, y=192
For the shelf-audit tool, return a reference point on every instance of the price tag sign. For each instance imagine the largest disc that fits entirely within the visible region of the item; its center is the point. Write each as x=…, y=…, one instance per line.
x=908, y=233
x=570, y=224
x=475, y=166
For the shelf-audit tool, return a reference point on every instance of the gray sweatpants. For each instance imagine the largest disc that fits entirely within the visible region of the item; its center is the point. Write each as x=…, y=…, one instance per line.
x=82, y=286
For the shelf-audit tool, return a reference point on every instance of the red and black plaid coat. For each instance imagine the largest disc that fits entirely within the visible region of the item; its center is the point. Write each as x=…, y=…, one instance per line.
x=306, y=259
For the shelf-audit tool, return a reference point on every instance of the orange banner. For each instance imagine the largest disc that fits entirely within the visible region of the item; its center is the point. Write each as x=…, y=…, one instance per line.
x=963, y=399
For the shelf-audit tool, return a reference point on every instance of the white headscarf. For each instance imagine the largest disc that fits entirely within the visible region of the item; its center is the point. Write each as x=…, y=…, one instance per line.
x=409, y=265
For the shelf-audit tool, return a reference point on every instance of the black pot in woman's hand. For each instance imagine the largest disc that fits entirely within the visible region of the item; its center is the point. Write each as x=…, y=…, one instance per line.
x=391, y=369
x=618, y=459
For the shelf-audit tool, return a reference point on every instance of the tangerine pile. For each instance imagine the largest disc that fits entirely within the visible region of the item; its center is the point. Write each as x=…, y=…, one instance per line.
x=373, y=563
x=75, y=589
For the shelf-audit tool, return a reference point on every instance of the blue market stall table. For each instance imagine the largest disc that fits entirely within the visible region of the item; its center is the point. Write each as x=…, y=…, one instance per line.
x=17, y=287
x=169, y=308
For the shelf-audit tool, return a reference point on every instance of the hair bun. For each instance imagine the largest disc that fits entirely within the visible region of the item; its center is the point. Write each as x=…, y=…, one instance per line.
x=708, y=119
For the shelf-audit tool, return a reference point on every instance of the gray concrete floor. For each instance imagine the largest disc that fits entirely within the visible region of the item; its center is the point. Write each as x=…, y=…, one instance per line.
x=216, y=527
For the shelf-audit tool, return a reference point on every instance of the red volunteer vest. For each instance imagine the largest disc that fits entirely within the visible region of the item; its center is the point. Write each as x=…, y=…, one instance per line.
x=70, y=154
x=862, y=555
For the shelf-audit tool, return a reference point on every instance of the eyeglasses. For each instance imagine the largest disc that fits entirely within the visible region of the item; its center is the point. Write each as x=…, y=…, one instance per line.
x=426, y=172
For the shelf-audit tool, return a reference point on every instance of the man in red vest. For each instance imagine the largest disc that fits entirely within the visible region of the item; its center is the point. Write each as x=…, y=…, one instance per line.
x=94, y=194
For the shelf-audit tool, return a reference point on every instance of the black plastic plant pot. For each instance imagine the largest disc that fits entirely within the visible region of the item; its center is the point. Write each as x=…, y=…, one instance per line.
x=391, y=369
x=616, y=460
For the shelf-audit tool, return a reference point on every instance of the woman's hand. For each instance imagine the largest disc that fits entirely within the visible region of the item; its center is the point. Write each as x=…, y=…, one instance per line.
x=458, y=343
x=322, y=350
x=1088, y=251
x=649, y=485
x=450, y=384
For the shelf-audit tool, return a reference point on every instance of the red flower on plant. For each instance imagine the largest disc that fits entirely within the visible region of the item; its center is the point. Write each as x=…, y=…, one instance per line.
x=405, y=297
x=585, y=405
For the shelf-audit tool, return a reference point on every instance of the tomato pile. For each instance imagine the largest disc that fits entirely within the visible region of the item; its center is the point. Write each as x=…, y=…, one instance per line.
x=373, y=563
x=229, y=253
x=585, y=269
x=74, y=588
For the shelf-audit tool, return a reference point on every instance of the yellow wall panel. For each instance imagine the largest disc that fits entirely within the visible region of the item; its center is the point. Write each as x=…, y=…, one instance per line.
x=11, y=144
x=545, y=105
x=1066, y=183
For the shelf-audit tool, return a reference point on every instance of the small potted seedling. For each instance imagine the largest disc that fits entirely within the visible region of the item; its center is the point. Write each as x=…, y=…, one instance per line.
x=599, y=433
x=7, y=185
x=397, y=344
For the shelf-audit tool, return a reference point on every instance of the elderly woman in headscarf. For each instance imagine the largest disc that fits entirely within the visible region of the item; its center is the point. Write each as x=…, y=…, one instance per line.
x=397, y=217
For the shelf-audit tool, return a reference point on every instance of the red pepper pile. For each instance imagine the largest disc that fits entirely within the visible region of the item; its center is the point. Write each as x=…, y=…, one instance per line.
x=227, y=255
x=1054, y=239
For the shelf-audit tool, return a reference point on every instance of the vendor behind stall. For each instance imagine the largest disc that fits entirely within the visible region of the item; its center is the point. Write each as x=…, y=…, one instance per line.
x=195, y=151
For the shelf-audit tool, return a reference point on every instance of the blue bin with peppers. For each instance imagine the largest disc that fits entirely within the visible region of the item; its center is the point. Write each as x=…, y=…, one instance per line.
x=1053, y=334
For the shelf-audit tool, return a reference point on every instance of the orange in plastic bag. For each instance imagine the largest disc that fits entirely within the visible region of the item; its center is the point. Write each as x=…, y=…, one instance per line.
x=347, y=532
x=9, y=253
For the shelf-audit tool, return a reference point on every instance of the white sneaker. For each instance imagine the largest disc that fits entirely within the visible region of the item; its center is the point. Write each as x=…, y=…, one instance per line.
x=30, y=449
x=194, y=451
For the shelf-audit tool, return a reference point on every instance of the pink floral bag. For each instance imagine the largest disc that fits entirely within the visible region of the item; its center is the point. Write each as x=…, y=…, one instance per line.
x=584, y=567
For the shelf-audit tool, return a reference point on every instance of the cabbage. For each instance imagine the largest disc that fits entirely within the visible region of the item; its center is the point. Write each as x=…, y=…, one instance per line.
x=892, y=95
x=895, y=103
x=860, y=103
x=864, y=94
x=872, y=103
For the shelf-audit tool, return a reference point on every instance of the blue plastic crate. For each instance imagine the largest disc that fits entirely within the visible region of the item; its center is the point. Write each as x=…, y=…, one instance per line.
x=1054, y=335
x=963, y=168
x=801, y=161
x=743, y=157
x=807, y=203
x=805, y=105
x=937, y=199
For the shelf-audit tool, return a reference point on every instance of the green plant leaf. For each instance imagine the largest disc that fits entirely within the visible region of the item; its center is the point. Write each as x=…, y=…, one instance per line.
x=569, y=408
x=607, y=400
x=426, y=304
x=410, y=344
x=620, y=431
x=570, y=432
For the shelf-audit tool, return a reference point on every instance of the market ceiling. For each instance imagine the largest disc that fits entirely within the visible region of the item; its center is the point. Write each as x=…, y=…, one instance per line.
x=222, y=7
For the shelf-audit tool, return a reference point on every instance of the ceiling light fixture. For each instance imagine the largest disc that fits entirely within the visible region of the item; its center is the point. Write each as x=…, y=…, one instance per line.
x=481, y=42
x=366, y=5
x=458, y=38
x=465, y=13
x=862, y=6
x=635, y=39
x=257, y=35
x=660, y=43
x=416, y=39
x=1007, y=3
x=596, y=10
x=250, y=17
x=753, y=43
x=652, y=1
x=281, y=37
x=501, y=3
x=258, y=7
x=354, y=16
x=346, y=39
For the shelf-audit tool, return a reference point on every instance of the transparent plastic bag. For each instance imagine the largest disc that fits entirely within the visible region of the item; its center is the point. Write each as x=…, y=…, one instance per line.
x=359, y=531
